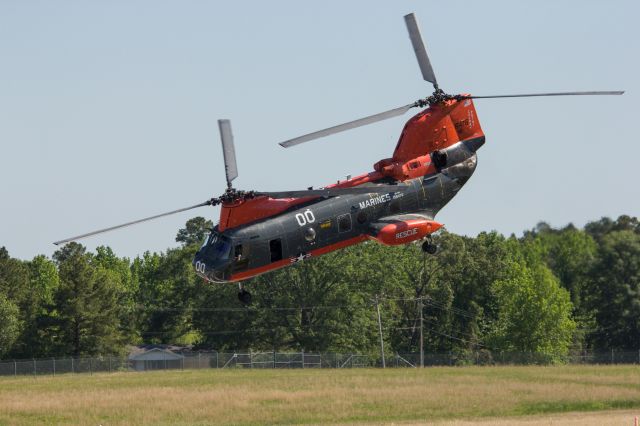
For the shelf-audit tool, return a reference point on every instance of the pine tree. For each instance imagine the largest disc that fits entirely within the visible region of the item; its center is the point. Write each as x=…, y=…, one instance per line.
x=88, y=314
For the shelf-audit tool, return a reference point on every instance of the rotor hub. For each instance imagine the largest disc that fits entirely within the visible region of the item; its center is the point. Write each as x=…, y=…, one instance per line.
x=232, y=195
x=437, y=97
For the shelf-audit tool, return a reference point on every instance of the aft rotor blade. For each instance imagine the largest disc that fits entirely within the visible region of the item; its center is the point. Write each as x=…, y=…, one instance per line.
x=420, y=49
x=334, y=192
x=135, y=222
x=529, y=95
x=228, y=151
x=347, y=126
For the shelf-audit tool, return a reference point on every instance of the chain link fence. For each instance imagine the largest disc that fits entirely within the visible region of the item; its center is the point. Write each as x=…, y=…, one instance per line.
x=165, y=360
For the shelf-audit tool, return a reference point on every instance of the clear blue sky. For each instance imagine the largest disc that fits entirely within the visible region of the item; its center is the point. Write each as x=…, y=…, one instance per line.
x=108, y=109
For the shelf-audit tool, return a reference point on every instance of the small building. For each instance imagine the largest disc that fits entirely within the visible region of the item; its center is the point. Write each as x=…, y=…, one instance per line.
x=156, y=357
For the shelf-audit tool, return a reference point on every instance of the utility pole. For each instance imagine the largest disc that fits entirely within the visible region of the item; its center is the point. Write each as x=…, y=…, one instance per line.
x=380, y=329
x=420, y=307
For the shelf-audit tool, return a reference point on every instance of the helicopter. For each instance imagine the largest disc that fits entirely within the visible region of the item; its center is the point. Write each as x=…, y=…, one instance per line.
x=394, y=204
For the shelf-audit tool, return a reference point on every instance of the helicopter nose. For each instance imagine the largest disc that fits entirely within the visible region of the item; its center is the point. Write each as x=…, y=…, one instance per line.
x=200, y=266
x=210, y=271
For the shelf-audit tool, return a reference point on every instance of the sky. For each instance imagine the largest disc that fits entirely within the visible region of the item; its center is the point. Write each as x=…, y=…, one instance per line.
x=108, y=110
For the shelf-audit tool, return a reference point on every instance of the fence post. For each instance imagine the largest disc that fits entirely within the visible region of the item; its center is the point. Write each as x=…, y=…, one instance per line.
x=302, y=353
x=34, y=367
x=15, y=367
x=110, y=364
x=380, y=330
x=274, y=358
x=72, y=369
x=421, y=308
x=90, y=368
x=217, y=358
x=611, y=355
x=54, y=366
x=198, y=359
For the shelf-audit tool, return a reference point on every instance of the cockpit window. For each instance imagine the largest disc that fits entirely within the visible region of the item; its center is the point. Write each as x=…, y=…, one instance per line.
x=220, y=245
x=204, y=244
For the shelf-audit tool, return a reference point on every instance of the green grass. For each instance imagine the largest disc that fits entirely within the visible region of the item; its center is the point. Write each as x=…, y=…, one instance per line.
x=316, y=396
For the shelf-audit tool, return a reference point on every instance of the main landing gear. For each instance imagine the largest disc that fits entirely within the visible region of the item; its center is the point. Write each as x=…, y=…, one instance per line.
x=243, y=295
x=428, y=246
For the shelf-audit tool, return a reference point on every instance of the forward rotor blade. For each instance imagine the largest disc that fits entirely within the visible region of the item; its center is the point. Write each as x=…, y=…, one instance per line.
x=334, y=192
x=420, y=49
x=529, y=95
x=111, y=228
x=347, y=126
x=228, y=151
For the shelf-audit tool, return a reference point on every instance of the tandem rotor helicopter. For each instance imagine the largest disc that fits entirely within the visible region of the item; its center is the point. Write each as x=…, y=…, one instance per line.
x=394, y=204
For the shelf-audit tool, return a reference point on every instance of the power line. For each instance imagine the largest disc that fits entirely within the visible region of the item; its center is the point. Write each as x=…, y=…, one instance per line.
x=212, y=332
x=451, y=309
x=430, y=301
x=141, y=308
x=427, y=300
x=253, y=309
x=442, y=334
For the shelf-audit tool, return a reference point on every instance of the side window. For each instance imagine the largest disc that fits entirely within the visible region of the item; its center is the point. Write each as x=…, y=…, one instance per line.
x=344, y=223
x=240, y=257
x=275, y=247
x=237, y=252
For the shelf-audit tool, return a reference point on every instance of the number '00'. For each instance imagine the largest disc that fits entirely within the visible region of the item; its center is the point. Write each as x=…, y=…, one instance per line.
x=306, y=217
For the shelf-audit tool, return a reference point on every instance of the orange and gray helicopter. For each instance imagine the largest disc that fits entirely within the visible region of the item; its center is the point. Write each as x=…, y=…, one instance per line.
x=394, y=204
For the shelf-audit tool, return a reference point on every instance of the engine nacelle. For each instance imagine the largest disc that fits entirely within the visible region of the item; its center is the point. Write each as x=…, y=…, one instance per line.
x=405, y=231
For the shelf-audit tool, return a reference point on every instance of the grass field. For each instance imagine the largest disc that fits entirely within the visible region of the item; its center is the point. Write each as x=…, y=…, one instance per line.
x=441, y=394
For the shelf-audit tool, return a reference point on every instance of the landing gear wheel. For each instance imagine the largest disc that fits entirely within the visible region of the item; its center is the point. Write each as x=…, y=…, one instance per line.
x=244, y=296
x=429, y=247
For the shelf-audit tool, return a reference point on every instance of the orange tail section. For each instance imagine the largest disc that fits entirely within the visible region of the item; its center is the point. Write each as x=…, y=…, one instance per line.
x=433, y=129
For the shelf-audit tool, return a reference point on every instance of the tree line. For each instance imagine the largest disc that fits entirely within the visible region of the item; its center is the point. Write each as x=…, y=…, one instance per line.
x=550, y=292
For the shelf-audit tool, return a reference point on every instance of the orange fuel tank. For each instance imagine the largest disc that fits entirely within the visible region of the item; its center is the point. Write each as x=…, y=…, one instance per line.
x=406, y=231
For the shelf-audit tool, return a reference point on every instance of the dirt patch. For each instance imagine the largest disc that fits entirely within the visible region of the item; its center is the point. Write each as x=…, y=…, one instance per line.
x=598, y=418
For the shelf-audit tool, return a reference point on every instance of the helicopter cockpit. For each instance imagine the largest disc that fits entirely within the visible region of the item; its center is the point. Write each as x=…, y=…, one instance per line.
x=213, y=259
x=220, y=246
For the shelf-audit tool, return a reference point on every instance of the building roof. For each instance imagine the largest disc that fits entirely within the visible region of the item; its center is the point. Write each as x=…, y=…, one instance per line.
x=154, y=353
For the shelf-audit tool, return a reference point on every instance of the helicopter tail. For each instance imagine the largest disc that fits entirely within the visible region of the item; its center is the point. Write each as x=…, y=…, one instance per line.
x=437, y=128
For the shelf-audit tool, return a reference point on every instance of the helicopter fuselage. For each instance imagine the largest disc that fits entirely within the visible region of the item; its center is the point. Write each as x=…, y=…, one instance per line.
x=433, y=170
